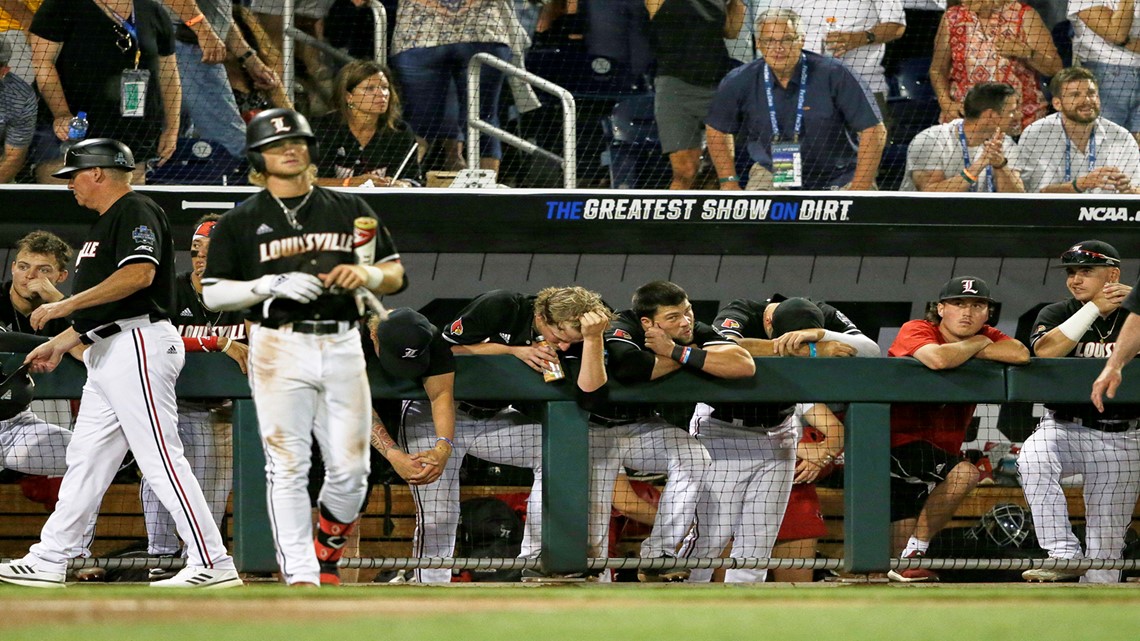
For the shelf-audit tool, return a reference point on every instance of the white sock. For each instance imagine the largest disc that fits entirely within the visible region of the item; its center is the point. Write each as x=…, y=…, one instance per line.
x=915, y=545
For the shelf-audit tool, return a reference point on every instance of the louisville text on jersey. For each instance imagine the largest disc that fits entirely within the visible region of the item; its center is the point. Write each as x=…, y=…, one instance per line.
x=293, y=245
x=1094, y=350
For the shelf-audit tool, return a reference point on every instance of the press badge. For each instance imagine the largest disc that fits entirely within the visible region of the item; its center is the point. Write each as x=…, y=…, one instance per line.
x=787, y=165
x=132, y=89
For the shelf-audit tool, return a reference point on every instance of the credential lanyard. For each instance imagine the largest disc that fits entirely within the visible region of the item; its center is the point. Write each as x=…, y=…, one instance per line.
x=1069, y=155
x=989, y=174
x=799, y=101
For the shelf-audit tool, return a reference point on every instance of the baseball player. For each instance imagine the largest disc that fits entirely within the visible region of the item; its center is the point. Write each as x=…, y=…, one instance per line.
x=534, y=329
x=1076, y=438
x=124, y=287
x=286, y=254
x=203, y=426
x=28, y=443
x=655, y=338
x=753, y=448
x=779, y=326
x=929, y=478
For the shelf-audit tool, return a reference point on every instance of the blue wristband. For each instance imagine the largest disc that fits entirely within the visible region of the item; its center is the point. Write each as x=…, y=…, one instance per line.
x=447, y=440
x=811, y=350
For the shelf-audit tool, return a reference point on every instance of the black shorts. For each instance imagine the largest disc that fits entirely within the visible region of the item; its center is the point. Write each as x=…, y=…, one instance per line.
x=916, y=469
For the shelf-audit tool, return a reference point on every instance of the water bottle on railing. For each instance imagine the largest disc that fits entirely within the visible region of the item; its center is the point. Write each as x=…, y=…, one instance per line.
x=76, y=131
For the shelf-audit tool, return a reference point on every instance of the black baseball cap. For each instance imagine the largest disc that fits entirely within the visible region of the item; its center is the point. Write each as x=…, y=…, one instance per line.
x=794, y=314
x=404, y=341
x=965, y=287
x=1090, y=253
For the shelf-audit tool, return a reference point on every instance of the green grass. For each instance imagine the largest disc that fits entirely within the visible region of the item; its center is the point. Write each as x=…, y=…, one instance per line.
x=590, y=613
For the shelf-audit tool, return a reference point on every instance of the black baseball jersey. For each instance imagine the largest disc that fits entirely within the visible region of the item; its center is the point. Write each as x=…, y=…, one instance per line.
x=1132, y=301
x=13, y=321
x=628, y=360
x=744, y=318
x=503, y=317
x=195, y=321
x=440, y=361
x=133, y=230
x=1098, y=342
x=256, y=239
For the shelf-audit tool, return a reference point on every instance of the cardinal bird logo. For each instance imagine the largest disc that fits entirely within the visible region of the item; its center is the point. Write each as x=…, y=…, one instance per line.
x=456, y=328
x=730, y=324
x=621, y=333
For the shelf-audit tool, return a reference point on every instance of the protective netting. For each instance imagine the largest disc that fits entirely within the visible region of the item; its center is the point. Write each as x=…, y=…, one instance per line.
x=644, y=77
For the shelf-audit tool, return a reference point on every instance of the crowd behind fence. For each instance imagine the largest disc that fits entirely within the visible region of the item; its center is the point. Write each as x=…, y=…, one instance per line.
x=666, y=95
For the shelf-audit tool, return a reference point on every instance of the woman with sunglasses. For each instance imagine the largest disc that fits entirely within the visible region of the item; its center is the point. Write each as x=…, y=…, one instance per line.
x=365, y=139
x=113, y=59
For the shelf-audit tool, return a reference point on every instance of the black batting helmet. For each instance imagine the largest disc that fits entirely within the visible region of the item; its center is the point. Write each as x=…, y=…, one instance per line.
x=96, y=152
x=272, y=125
x=16, y=392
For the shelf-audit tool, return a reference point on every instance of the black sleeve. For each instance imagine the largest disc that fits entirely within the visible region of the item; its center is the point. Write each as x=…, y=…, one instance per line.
x=704, y=335
x=1132, y=302
x=224, y=261
x=741, y=318
x=836, y=321
x=138, y=236
x=53, y=21
x=20, y=342
x=442, y=360
x=1048, y=318
x=163, y=31
x=481, y=318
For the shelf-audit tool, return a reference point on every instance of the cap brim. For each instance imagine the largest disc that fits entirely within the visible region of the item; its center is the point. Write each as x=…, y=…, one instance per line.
x=65, y=172
x=408, y=368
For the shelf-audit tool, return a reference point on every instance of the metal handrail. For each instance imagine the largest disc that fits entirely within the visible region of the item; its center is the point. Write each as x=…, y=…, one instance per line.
x=380, y=37
x=475, y=125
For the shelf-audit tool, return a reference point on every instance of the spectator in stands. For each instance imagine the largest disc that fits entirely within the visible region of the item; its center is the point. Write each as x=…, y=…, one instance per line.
x=204, y=425
x=687, y=37
x=971, y=154
x=1074, y=438
x=17, y=117
x=308, y=17
x=1075, y=150
x=204, y=37
x=929, y=477
x=365, y=139
x=87, y=55
x=758, y=103
x=430, y=51
x=994, y=41
x=250, y=95
x=1107, y=42
x=856, y=32
x=15, y=18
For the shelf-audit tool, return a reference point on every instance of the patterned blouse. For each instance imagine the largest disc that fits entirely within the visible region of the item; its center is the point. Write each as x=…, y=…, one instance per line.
x=974, y=59
x=432, y=23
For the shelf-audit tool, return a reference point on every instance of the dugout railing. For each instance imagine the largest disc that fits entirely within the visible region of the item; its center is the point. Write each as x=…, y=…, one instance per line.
x=869, y=385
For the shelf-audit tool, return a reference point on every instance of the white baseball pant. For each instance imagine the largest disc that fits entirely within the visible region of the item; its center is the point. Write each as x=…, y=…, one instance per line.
x=509, y=437
x=652, y=445
x=305, y=387
x=209, y=448
x=744, y=495
x=1110, y=465
x=129, y=403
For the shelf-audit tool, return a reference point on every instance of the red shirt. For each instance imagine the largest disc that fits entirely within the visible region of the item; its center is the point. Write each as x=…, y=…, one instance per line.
x=942, y=425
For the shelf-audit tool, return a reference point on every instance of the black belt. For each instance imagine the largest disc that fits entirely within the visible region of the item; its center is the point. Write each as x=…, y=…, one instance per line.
x=1099, y=424
x=322, y=327
x=110, y=329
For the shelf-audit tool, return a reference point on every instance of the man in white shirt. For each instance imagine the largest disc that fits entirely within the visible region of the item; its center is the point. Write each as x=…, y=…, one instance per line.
x=1106, y=40
x=970, y=155
x=854, y=31
x=1075, y=150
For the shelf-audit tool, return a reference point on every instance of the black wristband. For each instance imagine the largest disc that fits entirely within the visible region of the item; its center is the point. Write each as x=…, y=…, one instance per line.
x=687, y=355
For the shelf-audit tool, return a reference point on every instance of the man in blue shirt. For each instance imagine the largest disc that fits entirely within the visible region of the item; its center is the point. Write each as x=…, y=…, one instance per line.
x=826, y=131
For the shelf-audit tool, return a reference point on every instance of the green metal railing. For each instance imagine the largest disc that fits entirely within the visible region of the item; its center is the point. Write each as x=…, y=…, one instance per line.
x=869, y=385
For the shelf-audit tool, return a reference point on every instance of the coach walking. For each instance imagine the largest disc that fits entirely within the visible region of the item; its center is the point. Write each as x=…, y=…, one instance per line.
x=125, y=285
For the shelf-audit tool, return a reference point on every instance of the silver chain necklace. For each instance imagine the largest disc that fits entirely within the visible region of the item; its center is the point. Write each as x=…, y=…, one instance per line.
x=291, y=214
